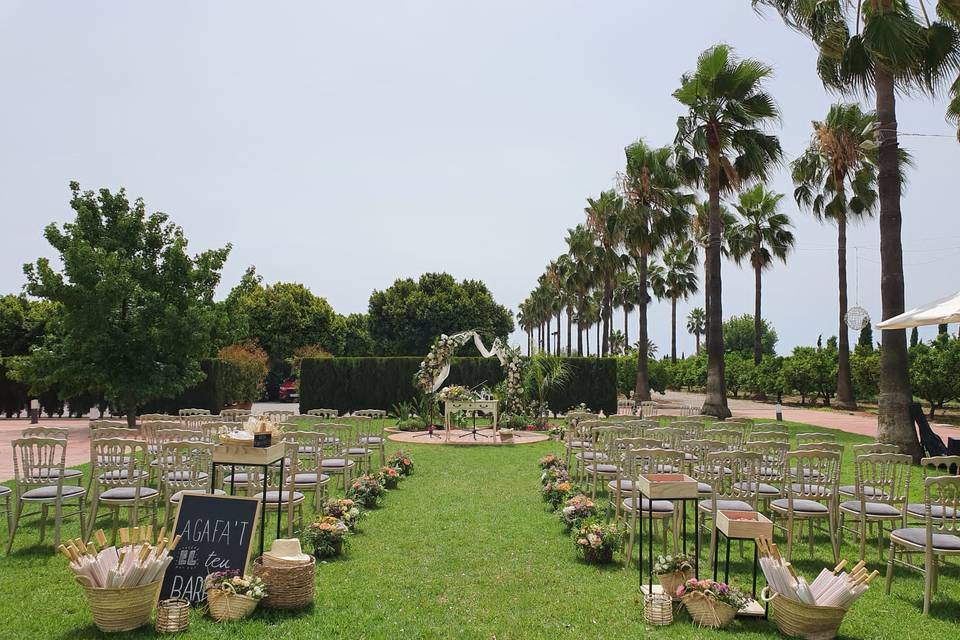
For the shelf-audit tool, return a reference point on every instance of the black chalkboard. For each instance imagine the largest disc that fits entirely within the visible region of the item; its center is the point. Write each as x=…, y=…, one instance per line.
x=215, y=535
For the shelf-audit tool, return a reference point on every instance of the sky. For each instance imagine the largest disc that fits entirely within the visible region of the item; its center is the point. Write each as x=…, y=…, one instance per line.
x=345, y=145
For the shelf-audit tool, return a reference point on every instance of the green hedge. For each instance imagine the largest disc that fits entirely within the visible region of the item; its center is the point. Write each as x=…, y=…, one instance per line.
x=210, y=393
x=13, y=395
x=348, y=384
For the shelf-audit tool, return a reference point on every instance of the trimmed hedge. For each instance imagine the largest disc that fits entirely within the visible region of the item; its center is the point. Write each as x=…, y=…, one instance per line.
x=13, y=395
x=209, y=393
x=348, y=384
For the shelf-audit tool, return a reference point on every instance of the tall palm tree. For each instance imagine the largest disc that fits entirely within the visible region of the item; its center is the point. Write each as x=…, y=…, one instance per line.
x=604, y=219
x=722, y=137
x=626, y=296
x=896, y=50
x=523, y=321
x=697, y=324
x=579, y=247
x=836, y=178
x=554, y=281
x=762, y=235
x=676, y=280
x=657, y=209
x=565, y=272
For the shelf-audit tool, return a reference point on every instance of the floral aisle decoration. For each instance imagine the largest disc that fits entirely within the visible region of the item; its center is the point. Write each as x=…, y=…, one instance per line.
x=232, y=596
x=233, y=582
x=710, y=603
x=556, y=493
x=389, y=477
x=577, y=509
x=551, y=460
x=327, y=536
x=366, y=490
x=402, y=462
x=673, y=571
x=346, y=511
x=596, y=540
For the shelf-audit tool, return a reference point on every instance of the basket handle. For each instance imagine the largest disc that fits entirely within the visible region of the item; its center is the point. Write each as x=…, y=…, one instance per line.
x=768, y=594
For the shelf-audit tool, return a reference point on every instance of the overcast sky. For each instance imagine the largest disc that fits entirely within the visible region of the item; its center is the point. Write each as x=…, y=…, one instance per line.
x=344, y=145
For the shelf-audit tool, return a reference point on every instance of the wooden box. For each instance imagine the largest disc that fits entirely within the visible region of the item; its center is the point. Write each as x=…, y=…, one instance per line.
x=239, y=454
x=744, y=525
x=667, y=486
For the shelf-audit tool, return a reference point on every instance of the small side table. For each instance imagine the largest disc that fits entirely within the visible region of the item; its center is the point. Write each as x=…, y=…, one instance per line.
x=742, y=525
x=666, y=486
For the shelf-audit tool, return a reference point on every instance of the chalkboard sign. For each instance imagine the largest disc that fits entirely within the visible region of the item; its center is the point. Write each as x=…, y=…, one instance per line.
x=215, y=535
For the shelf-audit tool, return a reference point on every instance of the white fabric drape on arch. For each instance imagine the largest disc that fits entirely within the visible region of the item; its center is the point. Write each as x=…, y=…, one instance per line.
x=460, y=339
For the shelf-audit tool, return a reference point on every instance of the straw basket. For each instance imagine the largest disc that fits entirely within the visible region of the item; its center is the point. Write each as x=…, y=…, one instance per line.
x=287, y=587
x=658, y=609
x=121, y=609
x=173, y=616
x=707, y=612
x=673, y=581
x=799, y=620
x=223, y=605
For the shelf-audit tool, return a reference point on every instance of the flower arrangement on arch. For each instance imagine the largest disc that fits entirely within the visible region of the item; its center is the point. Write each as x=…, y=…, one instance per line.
x=596, y=540
x=345, y=510
x=577, y=509
x=389, y=476
x=366, y=490
x=326, y=535
x=402, y=462
x=232, y=582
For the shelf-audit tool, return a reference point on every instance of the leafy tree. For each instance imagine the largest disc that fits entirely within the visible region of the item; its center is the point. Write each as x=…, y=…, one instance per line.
x=697, y=324
x=738, y=333
x=865, y=340
x=543, y=374
x=355, y=332
x=865, y=372
x=933, y=371
x=405, y=318
x=136, y=310
x=811, y=371
x=739, y=372
x=243, y=381
x=914, y=337
x=675, y=280
x=768, y=377
x=722, y=144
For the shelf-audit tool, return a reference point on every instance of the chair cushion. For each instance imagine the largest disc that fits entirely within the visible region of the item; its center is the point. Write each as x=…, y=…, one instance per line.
x=241, y=478
x=851, y=490
x=591, y=455
x=579, y=444
x=305, y=449
x=55, y=473
x=769, y=472
x=811, y=489
x=726, y=505
x=919, y=510
x=873, y=508
x=667, y=468
x=175, y=498
x=309, y=478
x=603, y=468
x=689, y=457
x=803, y=506
x=704, y=489
x=127, y=493
x=283, y=495
x=371, y=440
x=177, y=476
x=624, y=485
x=659, y=506
x=918, y=536
x=358, y=451
x=4, y=490
x=336, y=463
x=120, y=474
x=49, y=493
x=763, y=488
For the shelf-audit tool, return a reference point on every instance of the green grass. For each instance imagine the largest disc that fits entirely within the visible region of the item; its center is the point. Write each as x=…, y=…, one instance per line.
x=466, y=549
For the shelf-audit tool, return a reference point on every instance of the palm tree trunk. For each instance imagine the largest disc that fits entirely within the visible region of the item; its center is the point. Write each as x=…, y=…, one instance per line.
x=641, y=389
x=546, y=342
x=715, y=403
x=569, y=327
x=605, y=312
x=558, y=330
x=586, y=332
x=673, y=330
x=626, y=329
x=580, y=332
x=895, y=425
x=757, y=346
x=697, y=337
x=598, y=338
x=845, y=396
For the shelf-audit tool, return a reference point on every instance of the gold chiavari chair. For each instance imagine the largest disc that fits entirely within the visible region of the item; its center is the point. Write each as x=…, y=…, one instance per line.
x=883, y=483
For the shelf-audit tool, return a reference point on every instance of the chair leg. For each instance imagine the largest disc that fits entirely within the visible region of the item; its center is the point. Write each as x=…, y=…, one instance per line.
x=57, y=518
x=810, y=535
x=790, y=527
x=16, y=521
x=43, y=520
x=633, y=534
x=889, y=581
x=834, y=545
x=92, y=520
x=863, y=537
x=927, y=581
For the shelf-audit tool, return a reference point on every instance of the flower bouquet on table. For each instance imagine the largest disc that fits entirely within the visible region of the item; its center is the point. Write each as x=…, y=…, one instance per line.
x=389, y=477
x=402, y=462
x=346, y=511
x=231, y=596
x=577, y=509
x=673, y=571
x=711, y=604
x=366, y=490
x=457, y=393
x=556, y=493
x=596, y=540
x=327, y=535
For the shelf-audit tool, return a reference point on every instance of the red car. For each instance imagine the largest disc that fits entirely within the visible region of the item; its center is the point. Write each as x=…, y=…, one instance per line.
x=288, y=391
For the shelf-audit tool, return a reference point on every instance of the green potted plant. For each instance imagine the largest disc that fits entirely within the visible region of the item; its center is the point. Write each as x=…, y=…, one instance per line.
x=327, y=536
x=596, y=540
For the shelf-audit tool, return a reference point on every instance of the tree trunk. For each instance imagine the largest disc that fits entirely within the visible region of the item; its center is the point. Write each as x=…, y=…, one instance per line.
x=715, y=403
x=580, y=336
x=697, y=338
x=641, y=389
x=845, y=397
x=546, y=342
x=558, y=331
x=894, y=424
x=626, y=329
x=132, y=415
x=569, y=328
x=598, y=338
x=757, y=346
x=673, y=330
x=586, y=333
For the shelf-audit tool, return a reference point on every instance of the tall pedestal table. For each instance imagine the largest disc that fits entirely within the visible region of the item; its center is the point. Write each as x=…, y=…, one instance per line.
x=451, y=407
x=666, y=486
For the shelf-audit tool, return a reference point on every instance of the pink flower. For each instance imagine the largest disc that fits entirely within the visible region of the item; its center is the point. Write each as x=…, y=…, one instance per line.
x=681, y=590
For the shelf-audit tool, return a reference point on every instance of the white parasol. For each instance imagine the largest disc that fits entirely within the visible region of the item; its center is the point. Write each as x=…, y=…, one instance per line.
x=942, y=311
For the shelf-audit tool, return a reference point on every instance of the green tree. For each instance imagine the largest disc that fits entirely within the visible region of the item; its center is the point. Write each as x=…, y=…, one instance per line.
x=865, y=340
x=761, y=236
x=543, y=374
x=605, y=221
x=675, y=280
x=696, y=324
x=136, y=310
x=914, y=337
x=933, y=371
x=581, y=278
x=738, y=336
x=355, y=332
x=405, y=318
x=723, y=144
x=811, y=371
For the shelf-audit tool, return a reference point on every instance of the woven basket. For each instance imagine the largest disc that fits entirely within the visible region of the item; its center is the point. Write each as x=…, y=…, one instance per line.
x=658, y=609
x=223, y=605
x=121, y=609
x=673, y=581
x=707, y=612
x=799, y=620
x=173, y=616
x=287, y=587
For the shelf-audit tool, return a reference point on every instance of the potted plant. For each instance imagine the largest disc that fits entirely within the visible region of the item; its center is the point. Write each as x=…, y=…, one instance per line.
x=711, y=604
x=402, y=462
x=554, y=493
x=345, y=510
x=550, y=460
x=577, y=509
x=231, y=596
x=389, y=476
x=327, y=536
x=596, y=540
x=366, y=490
x=673, y=571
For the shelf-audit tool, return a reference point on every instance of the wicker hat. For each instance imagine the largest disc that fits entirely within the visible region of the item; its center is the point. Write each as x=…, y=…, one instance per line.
x=284, y=553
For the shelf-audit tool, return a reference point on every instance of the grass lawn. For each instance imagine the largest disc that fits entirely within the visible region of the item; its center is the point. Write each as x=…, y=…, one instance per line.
x=467, y=549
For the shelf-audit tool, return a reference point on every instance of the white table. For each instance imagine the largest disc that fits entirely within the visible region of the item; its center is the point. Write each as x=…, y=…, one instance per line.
x=482, y=406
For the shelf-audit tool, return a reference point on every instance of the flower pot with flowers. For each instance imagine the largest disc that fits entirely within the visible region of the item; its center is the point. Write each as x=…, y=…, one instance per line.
x=327, y=536
x=596, y=540
x=366, y=490
x=231, y=596
x=402, y=462
x=346, y=511
x=711, y=604
x=555, y=493
x=577, y=509
x=673, y=571
x=558, y=473
x=550, y=461
x=389, y=477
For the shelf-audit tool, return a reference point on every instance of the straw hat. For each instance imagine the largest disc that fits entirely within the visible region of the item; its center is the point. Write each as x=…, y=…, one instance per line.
x=285, y=552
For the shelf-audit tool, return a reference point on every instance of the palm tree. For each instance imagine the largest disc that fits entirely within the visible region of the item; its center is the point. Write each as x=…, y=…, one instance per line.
x=840, y=160
x=604, y=219
x=763, y=235
x=579, y=247
x=895, y=51
x=675, y=280
x=618, y=343
x=523, y=321
x=657, y=210
x=697, y=324
x=626, y=296
x=727, y=110
x=565, y=272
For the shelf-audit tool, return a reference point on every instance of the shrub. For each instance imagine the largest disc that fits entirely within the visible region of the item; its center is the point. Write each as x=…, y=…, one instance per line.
x=243, y=380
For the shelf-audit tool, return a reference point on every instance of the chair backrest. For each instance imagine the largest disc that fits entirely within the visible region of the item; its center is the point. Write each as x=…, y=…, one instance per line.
x=211, y=430
x=196, y=421
x=114, y=432
x=105, y=424
x=45, y=432
x=652, y=461
x=338, y=440
x=39, y=462
x=120, y=462
x=692, y=429
x=941, y=497
x=151, y=417
x=194, y=412
x=705, y=419
x=873, y=447
x=733, y=475
x=368, y=428
x=323, y=413
x=668, y=437
x=628, y=444
x=277, y=416
x=605, y=439
x=823, y=446
x=377, y=414
x=577, y=416
x=309, y=449
x=649, y=408
x=730, y=437
x=579, y=432
x=812, y=474
x=815, y=437
x=185, y=465
x=235, y=415
x=769, y=436
x=178, y=435
x=773, y=454
x=883, y=477
x=940, y=465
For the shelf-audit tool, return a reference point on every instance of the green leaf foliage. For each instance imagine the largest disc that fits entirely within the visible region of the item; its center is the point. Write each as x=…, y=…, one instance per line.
x=738, y=336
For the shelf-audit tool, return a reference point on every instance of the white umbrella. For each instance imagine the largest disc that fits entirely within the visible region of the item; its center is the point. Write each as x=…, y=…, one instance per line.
x=942, y=311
